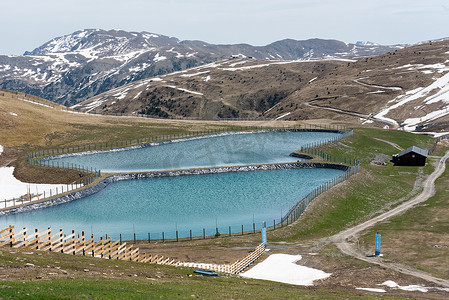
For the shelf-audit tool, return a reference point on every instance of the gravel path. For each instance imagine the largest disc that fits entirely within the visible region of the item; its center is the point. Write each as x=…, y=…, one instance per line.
x=344, y=240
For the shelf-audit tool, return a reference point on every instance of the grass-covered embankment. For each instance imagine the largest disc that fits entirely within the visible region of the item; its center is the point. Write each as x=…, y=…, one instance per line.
x=419, y=237
x=373, y=189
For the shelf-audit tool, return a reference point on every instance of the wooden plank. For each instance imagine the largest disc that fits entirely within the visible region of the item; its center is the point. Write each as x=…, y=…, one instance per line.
x=123, y=253
x=56, y=247
x=23, y=243
x=9, y=235
x=7, y=229
x=59, y=234
x=56, y=243
x=98, y=246
x=117, y=252
x=134, y=254
x=46, y=232
x=106, y=245
x=89, y=244
x=69, y=244
x=80, y=244
x=34, y=243
x=72, y=236
x=112, y=247
x=46, y=241
x=127, y=253
x=148, y=258
x=45, y=245
x=17, y=234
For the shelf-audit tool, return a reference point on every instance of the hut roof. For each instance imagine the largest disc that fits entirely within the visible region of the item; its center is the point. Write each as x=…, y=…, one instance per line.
x=414, y=149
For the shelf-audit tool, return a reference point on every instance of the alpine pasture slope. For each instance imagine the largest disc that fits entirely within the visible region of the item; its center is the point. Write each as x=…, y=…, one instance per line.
x=403, y=88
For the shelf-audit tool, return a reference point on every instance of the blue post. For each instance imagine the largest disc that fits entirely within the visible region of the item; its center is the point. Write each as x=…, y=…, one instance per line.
x=377, y=247
x=263, y=232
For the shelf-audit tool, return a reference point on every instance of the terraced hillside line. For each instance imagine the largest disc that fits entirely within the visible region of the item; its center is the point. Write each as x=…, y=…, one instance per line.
x=351, y=113
x=343, y=239
x=357, y=114
x=341, y=111
x=390, y=143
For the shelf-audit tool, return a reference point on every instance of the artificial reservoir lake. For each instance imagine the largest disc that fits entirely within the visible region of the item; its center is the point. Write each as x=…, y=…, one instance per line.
x=184, y=203
x=222, y=150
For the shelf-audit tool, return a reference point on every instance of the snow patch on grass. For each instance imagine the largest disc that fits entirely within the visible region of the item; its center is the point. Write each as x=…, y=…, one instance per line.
x=412, y=287
x=10, y=187
x=372, y=290
x=283, y=268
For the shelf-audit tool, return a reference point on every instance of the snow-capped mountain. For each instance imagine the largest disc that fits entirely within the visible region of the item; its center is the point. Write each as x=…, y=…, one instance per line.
x=366, y=43
x=78, y=66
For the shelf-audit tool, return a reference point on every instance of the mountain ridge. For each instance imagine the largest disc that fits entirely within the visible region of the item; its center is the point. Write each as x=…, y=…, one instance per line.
x=78, y=66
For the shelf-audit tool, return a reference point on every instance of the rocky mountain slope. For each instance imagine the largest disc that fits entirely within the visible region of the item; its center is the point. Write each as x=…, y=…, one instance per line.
x=78, y=66
x=402, y=88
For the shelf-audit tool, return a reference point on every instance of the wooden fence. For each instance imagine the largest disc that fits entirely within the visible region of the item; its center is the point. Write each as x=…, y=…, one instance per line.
x=107, y=248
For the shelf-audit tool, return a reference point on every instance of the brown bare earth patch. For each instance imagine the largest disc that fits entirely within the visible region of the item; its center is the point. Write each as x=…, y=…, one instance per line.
x=272, y=90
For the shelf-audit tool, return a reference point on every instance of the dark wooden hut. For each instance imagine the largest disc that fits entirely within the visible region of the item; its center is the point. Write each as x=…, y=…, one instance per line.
x=412, y=156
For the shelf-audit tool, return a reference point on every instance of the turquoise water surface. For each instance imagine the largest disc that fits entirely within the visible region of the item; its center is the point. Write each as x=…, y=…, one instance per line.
x=227, y=150
x=184, y=202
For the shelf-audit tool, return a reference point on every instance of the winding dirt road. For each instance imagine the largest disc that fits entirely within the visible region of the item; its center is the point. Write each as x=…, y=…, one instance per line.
x=345, y=240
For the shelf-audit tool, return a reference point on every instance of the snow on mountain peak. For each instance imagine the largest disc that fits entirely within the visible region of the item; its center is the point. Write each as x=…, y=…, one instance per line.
x=101, y=43
x=366, y=43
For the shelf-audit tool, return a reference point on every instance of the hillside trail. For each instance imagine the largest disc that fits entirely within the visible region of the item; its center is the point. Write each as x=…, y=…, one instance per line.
x=351, y=113
x=391, y=88
x=390, y=143
x=345, y=240
x=356, y=114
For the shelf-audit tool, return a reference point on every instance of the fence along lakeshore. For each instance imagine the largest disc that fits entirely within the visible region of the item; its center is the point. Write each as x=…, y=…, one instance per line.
x=41, y=157
x=289, y=217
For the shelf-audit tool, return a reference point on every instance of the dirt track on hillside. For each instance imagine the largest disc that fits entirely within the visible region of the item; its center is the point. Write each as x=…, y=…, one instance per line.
x=357, y=114
x=345, y=239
